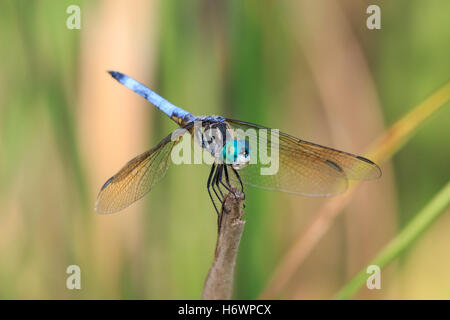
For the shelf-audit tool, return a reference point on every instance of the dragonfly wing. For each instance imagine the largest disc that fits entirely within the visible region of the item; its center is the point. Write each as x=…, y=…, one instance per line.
x=292, y=177
x=305, y=168
x=136, y=178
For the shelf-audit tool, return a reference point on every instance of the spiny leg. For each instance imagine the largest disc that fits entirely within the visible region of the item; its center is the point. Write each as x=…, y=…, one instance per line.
x=208, y=186
x=239, y=178
x=240, y=181
x=213, y=184
x=227, y=186
x=223, y=168
x=218, y=178
x=227, y=178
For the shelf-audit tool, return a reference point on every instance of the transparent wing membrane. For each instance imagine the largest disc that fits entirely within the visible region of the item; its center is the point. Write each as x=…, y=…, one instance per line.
x=305, y=168
x=135, y=179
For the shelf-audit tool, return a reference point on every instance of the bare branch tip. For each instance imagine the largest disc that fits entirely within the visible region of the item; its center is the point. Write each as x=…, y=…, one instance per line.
x=220, y=278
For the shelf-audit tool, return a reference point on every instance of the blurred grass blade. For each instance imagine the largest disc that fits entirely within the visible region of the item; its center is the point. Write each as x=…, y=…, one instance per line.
x=403, y=240
x=382, y=150
x=398, y=134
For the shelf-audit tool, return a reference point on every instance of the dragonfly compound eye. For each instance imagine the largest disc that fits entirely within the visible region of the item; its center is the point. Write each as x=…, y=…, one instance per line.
x=236, y=153
x=230, y=151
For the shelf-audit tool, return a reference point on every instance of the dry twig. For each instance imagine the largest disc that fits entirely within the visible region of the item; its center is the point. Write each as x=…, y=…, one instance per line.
x=219, y=281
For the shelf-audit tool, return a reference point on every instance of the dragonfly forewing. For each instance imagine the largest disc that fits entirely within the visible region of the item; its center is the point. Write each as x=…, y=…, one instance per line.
x=304, y=168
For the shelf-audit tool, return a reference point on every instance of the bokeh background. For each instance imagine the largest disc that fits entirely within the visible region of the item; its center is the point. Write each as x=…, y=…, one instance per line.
x=309, y=68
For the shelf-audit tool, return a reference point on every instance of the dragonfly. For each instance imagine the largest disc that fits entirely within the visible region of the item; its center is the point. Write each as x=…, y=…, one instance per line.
x=303, y=168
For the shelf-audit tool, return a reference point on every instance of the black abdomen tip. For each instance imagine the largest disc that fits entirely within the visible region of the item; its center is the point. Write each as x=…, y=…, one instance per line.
x=116, y=75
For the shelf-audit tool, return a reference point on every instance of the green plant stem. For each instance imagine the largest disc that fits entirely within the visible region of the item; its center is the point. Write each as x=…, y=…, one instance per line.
x=402, y=241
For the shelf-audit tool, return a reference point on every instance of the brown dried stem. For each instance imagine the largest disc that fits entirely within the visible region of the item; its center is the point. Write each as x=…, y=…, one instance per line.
x=220, y=278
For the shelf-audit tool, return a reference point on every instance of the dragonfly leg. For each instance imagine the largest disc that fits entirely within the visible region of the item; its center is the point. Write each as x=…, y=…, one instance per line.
x=208, y=186
x=227, y=178
x=213, y=184
x=228, y=185
x=217, y=179
x=240, y=181
x=220, y=169
x=239, y=178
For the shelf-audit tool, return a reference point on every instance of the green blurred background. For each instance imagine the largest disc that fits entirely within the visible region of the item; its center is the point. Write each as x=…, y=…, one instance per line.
x=309, y=68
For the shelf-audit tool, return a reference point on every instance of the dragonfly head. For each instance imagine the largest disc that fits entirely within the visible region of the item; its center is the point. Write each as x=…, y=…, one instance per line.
x=237, y=153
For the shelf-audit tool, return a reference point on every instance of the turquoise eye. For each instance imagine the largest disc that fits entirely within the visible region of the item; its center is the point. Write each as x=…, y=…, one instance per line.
x=233, y=148
x=230, y=151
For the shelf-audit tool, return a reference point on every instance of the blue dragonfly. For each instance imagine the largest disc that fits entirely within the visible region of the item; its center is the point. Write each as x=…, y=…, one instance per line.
x=303, y=168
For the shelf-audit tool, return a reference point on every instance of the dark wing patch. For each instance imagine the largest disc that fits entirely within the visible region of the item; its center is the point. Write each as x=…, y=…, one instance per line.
x=334, y=165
